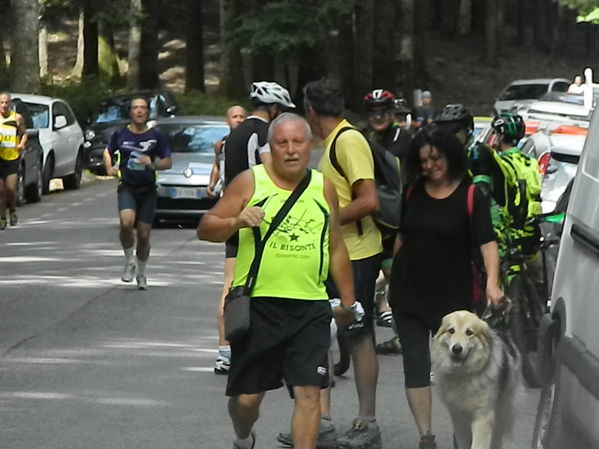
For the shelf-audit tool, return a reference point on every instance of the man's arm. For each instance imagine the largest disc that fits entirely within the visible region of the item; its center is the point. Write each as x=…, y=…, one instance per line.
x=365, y=202
x=22, y=131
x=215, y=170
x=340, y=266
x=108, y=167
x=230, y=214
x=491, y=261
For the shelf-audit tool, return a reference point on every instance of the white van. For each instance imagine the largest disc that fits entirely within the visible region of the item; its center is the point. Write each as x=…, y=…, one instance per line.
x=568, y=412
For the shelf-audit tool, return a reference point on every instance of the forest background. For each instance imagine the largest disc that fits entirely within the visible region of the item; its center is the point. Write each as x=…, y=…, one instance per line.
x=208, y=51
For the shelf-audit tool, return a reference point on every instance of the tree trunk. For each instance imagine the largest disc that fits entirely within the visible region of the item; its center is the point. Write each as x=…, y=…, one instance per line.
x=346, y=57
x=491, y=32
x=134, y=45
x=232, y=81
x=78, y=68
x=25, y=66
x=405, y=57
x=107, y=57
x=194, y=50
x=364, y=23
x=43, y=49
x=560, y=36
x=91, y=67
x=420, y=70
x=383, y=68
x=521, y=21
x=465, y=18
x=148, y=54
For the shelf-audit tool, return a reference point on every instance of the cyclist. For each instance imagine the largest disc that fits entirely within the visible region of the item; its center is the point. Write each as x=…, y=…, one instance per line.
x=247, y=146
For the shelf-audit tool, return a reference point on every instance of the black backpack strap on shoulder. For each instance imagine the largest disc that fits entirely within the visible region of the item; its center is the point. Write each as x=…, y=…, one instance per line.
x=274, y=224
x=333, y=150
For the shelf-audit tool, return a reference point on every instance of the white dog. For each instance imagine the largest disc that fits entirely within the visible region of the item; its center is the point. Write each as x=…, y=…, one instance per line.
x=477, y=373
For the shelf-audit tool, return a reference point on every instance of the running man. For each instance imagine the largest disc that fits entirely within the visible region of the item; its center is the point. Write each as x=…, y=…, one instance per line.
x=289, y=333
x=13, y=140
x=137, y=152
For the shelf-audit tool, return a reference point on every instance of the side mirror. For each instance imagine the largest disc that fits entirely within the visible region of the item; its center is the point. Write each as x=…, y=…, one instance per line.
x=171, y=110
x=60, y=121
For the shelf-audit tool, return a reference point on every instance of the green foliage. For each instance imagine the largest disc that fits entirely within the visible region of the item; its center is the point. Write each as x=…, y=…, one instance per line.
x=284, y=27
x=84, y=97
x=588, y=9
x=198, y=103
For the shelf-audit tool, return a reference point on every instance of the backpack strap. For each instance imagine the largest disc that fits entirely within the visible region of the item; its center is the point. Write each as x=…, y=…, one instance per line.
x=470, y=201
x=333, y=151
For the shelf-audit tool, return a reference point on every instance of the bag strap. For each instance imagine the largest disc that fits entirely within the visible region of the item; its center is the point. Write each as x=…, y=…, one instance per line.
x=274, y=224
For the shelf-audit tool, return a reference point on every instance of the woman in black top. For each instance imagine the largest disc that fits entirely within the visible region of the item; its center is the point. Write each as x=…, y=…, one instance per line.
x=432, y=267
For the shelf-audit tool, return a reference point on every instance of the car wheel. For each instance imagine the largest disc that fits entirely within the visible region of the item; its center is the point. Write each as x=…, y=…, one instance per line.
x=33, y=192
x=21, y=185
x=47, y=174
x=73, y=181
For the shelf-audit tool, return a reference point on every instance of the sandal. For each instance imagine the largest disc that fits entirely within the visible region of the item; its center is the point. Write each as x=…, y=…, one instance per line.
x=385, y=319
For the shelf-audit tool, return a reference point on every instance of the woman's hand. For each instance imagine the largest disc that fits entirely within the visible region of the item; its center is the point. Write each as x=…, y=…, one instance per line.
x=495, y=295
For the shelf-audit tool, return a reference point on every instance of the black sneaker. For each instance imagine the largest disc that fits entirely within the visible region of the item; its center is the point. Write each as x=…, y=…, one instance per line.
x=389, y=347
x=221, y=366
x=2, y=223
x=13, y=218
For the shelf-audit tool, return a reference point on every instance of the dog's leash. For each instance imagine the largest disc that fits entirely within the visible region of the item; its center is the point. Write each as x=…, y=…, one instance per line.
x=498, y=317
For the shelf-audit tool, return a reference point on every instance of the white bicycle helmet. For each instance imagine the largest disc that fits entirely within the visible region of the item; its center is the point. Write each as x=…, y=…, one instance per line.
x=271, y=93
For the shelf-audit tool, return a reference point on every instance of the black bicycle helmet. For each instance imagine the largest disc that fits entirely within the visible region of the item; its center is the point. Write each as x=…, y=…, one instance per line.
x=379, y=98
x=456, y=113
x=510, y=126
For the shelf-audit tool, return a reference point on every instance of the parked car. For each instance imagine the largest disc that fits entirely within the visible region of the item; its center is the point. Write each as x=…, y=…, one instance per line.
x=547, y=112
x=568, y=409
x=525, y=91
x=29, y=176
x=61, y=138
x=182, y=189
x=113, y=114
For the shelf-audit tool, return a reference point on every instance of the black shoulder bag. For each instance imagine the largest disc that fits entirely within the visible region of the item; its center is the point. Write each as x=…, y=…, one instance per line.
x=237, y=301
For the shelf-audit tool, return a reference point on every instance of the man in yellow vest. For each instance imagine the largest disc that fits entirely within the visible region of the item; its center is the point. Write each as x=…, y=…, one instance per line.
x=12, y=141
x=289, y=333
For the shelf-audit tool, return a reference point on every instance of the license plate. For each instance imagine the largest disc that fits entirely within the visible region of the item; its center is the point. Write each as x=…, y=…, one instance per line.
x=183, y=192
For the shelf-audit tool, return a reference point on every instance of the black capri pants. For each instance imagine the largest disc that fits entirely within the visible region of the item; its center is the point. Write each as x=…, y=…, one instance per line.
x=414, y=334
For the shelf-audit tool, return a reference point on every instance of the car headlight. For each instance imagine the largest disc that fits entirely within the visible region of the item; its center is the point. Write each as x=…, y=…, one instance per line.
x=89, y=134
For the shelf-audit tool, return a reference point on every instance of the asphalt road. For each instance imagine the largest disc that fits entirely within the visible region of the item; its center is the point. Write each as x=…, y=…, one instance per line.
x=87, y=361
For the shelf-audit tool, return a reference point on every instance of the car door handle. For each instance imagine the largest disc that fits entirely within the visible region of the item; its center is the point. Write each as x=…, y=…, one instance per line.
x=586, y=237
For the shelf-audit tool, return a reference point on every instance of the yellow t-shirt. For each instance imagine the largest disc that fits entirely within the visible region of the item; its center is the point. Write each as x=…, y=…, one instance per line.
x=354, y=156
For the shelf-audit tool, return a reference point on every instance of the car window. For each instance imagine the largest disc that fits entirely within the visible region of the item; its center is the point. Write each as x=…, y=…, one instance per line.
x=560, y=86
x=193, y=138
x=60, y=108
x=40, y=113
x=523, y=92
x=113, y=110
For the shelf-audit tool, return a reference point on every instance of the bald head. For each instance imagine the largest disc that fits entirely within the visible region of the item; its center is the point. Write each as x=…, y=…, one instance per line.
x=235, y=115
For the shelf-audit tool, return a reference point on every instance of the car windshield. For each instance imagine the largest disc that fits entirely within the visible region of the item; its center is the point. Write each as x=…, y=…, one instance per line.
x=523, y=92
x=117, y=109
x=193, y=138
x=40, y=114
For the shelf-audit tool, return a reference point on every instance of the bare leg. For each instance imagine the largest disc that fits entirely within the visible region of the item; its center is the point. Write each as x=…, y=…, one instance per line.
x=366, y=371
x=11, y=191
x=244, y=410
x=420, y=401
x=143, y=241
x=306, y=417
x=127, y=219
x=2, y=198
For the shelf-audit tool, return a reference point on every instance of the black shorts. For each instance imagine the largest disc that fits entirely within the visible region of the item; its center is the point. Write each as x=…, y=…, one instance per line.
x=288, y=340
x=387, y=254
x=142, y=202
x=8, y=168
x=231, y=246
x=366, y=272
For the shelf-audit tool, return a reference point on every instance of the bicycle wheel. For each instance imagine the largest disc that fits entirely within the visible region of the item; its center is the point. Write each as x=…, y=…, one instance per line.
x=342, y=365
x=525, y=319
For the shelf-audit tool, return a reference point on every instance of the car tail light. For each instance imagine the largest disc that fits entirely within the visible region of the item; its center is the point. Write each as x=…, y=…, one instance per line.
x=531, y=127
x=544, y=162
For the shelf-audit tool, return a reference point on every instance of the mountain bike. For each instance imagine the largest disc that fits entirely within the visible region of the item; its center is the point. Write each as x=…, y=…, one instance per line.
x=530, y=297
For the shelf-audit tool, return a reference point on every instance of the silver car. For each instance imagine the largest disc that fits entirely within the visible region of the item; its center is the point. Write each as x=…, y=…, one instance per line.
x=524, y=92
x=182, y=189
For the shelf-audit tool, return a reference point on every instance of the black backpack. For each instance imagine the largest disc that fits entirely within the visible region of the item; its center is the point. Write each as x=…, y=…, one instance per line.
x=388, y=184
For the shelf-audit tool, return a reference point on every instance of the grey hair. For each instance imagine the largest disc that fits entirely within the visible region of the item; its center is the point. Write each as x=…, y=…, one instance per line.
x=288, y=117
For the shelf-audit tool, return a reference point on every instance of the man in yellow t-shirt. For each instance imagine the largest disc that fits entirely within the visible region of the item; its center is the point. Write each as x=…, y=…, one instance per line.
x=12, y=142
x=323, y=104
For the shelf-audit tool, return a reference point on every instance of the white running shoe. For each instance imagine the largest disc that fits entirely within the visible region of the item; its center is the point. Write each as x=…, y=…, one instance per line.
x=128, y=272
x=142, y=282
